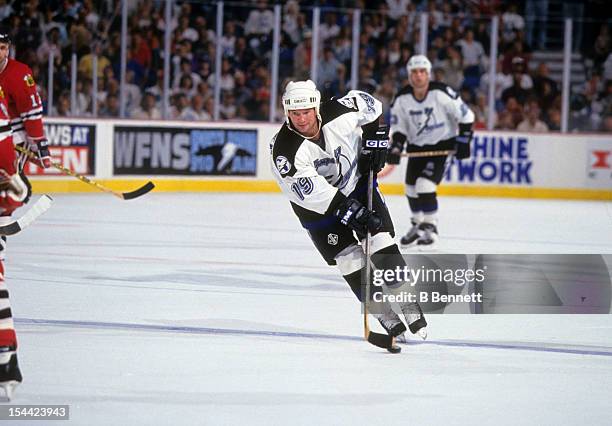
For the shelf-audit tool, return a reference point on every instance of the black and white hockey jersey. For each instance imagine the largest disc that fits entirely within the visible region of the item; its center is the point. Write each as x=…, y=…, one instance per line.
x=313, y=174
x=431, y=120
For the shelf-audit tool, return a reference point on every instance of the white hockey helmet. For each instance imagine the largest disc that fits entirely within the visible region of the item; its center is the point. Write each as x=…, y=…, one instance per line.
x=301, y=95
x=418, y=62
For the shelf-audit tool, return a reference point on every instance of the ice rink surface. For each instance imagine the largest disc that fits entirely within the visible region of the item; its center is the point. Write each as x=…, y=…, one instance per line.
x=215, y=309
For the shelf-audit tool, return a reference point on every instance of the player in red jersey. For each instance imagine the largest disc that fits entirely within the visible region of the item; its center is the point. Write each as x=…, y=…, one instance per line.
x=13, y=192
x=24, y=105
x=20, y=123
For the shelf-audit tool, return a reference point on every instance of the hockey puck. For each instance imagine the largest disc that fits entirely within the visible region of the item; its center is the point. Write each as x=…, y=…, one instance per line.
x=394, y=349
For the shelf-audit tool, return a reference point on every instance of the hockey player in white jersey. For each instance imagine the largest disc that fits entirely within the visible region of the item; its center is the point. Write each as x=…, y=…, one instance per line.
x=317, y=159
x=429, y=116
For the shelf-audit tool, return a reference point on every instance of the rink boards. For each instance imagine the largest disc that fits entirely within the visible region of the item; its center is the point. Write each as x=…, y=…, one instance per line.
x=182, y=156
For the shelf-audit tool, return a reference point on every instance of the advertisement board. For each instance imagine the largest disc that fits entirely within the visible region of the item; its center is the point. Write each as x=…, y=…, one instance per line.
x=528, y=161
x=71, y=145
x=495, y=160
x=184, y=151
x=599, y=164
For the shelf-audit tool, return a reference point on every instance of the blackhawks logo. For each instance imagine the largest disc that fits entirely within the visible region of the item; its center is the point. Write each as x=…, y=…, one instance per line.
x=29, y=81
x=1, y=93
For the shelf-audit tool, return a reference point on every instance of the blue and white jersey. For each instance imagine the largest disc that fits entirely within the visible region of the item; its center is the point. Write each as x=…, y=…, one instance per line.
x=431, y=120
x=311, y=173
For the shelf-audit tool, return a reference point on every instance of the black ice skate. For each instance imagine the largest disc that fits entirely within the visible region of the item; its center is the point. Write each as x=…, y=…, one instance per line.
x=415, y=319
x=10, y=376
x=428, y=236
x=391, y=322
x=411, y=236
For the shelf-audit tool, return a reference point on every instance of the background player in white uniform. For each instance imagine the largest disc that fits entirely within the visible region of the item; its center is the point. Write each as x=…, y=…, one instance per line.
x=317, y=159
x=430, y=116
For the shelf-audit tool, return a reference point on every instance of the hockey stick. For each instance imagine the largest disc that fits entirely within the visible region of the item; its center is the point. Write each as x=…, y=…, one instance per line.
x=38, y=208
x=381, y=340
x=123, y=195
x=427, y=153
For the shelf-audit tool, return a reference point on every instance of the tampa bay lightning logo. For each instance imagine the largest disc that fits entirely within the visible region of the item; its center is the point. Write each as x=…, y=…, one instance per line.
x=337, y=170
x=425, y=121
x=369, y=100
x=349, y=102
x=283, y=165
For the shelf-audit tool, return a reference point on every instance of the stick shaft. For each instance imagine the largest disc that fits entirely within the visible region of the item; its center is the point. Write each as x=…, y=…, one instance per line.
x=368, y=261
x=427, y=153
x=69, y=172
x=124, y=196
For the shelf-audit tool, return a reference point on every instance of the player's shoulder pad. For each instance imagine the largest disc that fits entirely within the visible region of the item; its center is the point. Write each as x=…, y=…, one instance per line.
x=19, y=67
x=286, y=146
x=334, y=108
x=444, y=88
x=406, y=90
x=20, y=71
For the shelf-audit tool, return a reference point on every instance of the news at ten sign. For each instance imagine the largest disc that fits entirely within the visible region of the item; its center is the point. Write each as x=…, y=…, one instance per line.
x=184, y=151
x=71, y=145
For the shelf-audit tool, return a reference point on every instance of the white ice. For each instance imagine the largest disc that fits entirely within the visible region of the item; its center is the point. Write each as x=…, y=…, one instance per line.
x=216, y=309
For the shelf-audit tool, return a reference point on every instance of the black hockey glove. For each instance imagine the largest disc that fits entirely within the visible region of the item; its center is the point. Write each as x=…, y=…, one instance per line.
x=41, y=148
x=354, y=215
x=463, y=140
x=374, y=150
x=395, y=150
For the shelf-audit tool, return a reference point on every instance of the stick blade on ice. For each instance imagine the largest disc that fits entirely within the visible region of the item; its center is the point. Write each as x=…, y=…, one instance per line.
x=38, y=208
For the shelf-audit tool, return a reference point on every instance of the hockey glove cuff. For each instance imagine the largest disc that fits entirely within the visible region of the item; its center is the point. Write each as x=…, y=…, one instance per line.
x=395, y=150
x=374, y=150
x=462, y=145
x=40, y=147
x=354, y=215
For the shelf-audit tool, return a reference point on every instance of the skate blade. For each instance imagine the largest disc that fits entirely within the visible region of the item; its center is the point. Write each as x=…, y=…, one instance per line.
x=403, y=339
x=9, y=388
x=410, y=248
x=428, y=247
x=407, y=245
x=423, y=333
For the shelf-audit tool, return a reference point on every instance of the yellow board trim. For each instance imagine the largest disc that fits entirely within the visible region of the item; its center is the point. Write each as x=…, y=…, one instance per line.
x=242, y=185
x=511, y=192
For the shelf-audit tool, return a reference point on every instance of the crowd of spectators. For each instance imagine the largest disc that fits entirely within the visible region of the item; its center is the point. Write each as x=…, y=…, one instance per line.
x=526, y=97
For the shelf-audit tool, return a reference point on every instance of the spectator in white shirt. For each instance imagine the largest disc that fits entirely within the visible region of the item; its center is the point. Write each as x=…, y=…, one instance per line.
x=471, y=50
x=329, y=28
x=291, y=11
x=397, y=8
x=260, y=21
x=227, y=76
x=198, y=103
x=185, y=70
x=532, y=122
x=147, y=109
x=180, y=109
x=185, y=31
x=511, y=23
x=473, y=59
x=228, y=40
